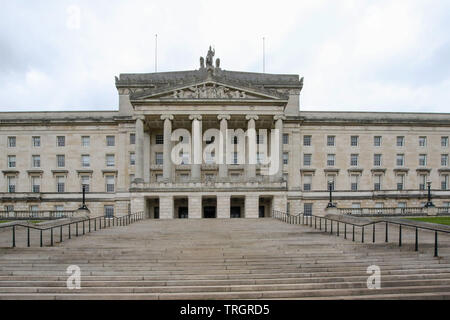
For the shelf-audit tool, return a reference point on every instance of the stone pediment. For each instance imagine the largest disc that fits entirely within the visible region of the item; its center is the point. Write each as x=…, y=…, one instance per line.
x=207, y=90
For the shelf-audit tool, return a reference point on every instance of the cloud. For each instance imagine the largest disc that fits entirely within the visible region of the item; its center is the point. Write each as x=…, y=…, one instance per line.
x=354, y=54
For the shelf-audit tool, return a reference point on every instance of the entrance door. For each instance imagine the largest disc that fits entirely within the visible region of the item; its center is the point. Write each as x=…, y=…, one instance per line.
x=261, y=211
x=209, y=212
x=235, y=212
x=182, y=212
x=156, y=215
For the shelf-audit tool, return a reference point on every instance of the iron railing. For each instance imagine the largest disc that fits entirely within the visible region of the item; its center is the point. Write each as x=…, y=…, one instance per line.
x=87, y=225
x=326, y=224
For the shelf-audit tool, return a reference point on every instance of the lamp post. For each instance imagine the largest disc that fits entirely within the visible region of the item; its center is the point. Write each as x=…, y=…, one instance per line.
x=330, y=188
x=429, y=202
x=83, y=210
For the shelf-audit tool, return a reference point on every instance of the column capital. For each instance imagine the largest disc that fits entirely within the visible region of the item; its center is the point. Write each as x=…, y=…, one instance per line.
x=279, y=117
x=195, y=117
x=221, y=117
x=251, y=117
x=166, y=117
x=140, y=118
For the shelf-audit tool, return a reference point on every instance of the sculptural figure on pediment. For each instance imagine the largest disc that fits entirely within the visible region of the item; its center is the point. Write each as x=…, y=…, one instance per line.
x=202, y=63
x=209, y=57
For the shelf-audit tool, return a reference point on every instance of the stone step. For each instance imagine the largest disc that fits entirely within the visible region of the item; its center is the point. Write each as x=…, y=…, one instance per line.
x=405, y=292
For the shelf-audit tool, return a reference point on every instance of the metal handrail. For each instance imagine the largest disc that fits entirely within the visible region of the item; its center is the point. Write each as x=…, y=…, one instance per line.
x=285, y=217
x=116, y=221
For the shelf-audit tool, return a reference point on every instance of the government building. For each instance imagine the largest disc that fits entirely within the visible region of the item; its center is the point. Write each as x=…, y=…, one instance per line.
x=234, y=122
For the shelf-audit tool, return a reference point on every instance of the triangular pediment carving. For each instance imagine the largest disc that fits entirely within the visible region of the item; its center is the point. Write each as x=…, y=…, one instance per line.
x=207, y=90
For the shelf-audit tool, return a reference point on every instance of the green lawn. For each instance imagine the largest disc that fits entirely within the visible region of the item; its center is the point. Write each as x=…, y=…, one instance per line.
x=438, y=220
x=4, y=221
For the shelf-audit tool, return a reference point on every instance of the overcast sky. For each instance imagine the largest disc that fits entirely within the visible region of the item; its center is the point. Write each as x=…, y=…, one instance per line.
x=360, y=55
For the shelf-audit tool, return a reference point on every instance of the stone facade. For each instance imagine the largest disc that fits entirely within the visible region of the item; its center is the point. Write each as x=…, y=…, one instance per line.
x=373, y=159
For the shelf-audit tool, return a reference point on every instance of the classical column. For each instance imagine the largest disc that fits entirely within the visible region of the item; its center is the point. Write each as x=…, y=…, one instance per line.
x=251, y=150
x=147, y=156
x=167, y=162
x=196, y=147
x=279, y=126
x=139, y=173
x=223, y=166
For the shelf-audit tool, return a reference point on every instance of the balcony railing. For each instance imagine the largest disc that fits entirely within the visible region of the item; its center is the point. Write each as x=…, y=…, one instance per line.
x=34, y=214
x=383, y=211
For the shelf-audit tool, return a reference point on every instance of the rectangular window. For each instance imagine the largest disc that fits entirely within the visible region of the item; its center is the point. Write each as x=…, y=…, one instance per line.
x=85, y=160
x=377, y=182
x=109, y=211
x=36, y=141
x=259, y=139
x=60, y=184
x=60, y=141
x=9, y=208
x=377, y=160
x=400, y=182
x=36, y=161
x=377, y=141
x=422, y=181
x=110, y=141
x=354, y=182
x=331, y=141
x=400, y=141
x=85, y=141
x=235, y=158
x=422, y=141
x=400, y=160
x=308, y=209
x=132, y=138
x=159, y=156
x=110, y=160
x=422, y=160
x=307, y=159
x=109, y=183
x=11, y=161
x=260, y=157
x=354, y=160
x=132, y=158
x=159, y=139
x=35, y=184
x=85, y=181
x=331, y=160
x=444, y=142
x=444, y=160
x=444, y=182
x=285, y=138
x=354, y=141
x=210, y=157
x=307, y=141
x=185, y=158
x=307, y=182
x=11, y=180
x=285, y=157
x=60, y=160
x=11, y=142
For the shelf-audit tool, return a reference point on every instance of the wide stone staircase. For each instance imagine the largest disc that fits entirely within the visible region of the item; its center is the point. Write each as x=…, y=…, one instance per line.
x=222, y=259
